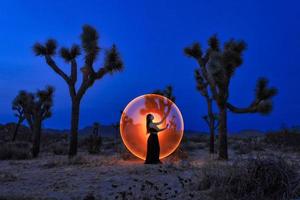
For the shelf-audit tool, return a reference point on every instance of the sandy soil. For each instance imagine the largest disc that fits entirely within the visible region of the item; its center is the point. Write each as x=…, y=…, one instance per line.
x=100, y=176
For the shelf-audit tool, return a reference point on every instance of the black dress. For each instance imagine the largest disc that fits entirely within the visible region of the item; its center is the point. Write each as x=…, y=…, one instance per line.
x=153, y=148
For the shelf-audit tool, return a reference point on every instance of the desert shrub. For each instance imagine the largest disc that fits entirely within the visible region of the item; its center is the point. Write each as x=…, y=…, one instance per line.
x=64, y=161
x=126, y=155
x=77, y=160
x=260, y=178
x=50, y=138
x=184, y=139
x=94, y=144
x=241, y=148
x=179, y=154
x=192, y=146
x=284, y=139
x=15, y=151
x=7, y=177
x=199, y=138
x=247, y=145
x=60, y=148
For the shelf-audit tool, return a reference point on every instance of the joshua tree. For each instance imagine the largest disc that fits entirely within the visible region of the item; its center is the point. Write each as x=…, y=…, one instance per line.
x=168, y=92
x=96, y=128
x=160, y=106
x=91, y=49
x=212, y=121
x=116, y=127
x=217, y=68
x=95, y=140
x=18, y=108
x=36, y=108
x=203, y=87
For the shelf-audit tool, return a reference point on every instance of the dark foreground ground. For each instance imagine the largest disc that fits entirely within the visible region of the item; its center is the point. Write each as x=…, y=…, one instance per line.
x=258, y=168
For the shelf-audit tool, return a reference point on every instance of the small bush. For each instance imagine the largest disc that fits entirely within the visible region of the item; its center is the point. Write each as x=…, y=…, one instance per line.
x=94, y=144
x=179, y=154
x=241, y=148
x=15, y=151
x=199, y=138
x=60, y=149
x=77, y=160
x=192, y=146
x=284, y=139
x=245, y=146
x=268, y=179
x=125, y=155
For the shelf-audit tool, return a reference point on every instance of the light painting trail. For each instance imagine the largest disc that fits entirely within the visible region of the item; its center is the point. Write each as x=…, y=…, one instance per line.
x=133, y=124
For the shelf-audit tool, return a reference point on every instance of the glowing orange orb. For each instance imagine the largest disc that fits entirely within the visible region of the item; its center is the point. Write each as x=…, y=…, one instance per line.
x=133, y=124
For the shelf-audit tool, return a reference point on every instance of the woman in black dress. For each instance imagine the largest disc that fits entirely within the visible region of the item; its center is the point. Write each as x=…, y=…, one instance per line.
x=153, y=148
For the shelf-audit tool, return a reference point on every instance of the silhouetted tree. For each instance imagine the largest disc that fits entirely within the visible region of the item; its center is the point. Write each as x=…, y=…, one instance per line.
x=89, y=44
x=18, y=108
x=203, y=87
x=94, y=144
x=212, y=121
x=217, y=68
x=96, y=129
x=36, y=108
x=167, y=92
x=116, y=127
x=95, y=139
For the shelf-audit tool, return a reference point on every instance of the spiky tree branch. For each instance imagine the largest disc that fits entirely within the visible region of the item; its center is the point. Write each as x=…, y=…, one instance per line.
x=205, y=83
x=36, y=108
x=89, y=44
x=263, y=99
x=217, y=68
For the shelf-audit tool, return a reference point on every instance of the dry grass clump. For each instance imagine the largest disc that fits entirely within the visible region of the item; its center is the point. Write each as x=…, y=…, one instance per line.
x=253, y=179
x=15, y=151
x=126, y=155
x=64, y=161
x=94, y=144
x=284, y=139
x=179, y=154
x=60, y=148
x=192, y=146
x=7, y=177
x=199, y=138
x=245, y=146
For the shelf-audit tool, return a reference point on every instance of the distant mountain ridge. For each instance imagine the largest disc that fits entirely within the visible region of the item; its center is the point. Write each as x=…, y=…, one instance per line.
x=104, y=130
x=109, y=130
x=247, y=133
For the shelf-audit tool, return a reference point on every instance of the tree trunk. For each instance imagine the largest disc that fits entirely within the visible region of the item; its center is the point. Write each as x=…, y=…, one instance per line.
x=74, y=127
x=223, y=151
x=17, y=129
x=212, y=137
x=36, y=137
x=211, y=126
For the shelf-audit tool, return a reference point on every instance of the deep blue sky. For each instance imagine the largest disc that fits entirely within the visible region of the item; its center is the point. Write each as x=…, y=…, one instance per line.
x=150, y=36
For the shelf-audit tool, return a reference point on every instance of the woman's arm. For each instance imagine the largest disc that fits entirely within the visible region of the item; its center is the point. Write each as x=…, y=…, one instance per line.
x=164, y=118
x=159, y=130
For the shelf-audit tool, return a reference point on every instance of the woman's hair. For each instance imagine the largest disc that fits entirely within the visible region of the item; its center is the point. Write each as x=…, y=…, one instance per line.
x=149, y=119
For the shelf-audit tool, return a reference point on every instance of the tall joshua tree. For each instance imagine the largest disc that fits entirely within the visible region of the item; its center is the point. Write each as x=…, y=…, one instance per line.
x=212, y=121
x=18, y=108
x=204, y=88
x=36, y=108
x=167, y=92
x=217, y=68
x=91, y=49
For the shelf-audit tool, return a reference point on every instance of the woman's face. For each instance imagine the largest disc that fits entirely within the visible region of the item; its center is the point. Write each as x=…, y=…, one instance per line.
x=151, y=117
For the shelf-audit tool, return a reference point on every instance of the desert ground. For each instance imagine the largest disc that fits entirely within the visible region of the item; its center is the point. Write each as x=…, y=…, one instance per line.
x=256, y=169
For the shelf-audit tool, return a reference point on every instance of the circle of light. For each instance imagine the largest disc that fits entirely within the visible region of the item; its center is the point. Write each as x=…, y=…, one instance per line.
x=132, y=103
